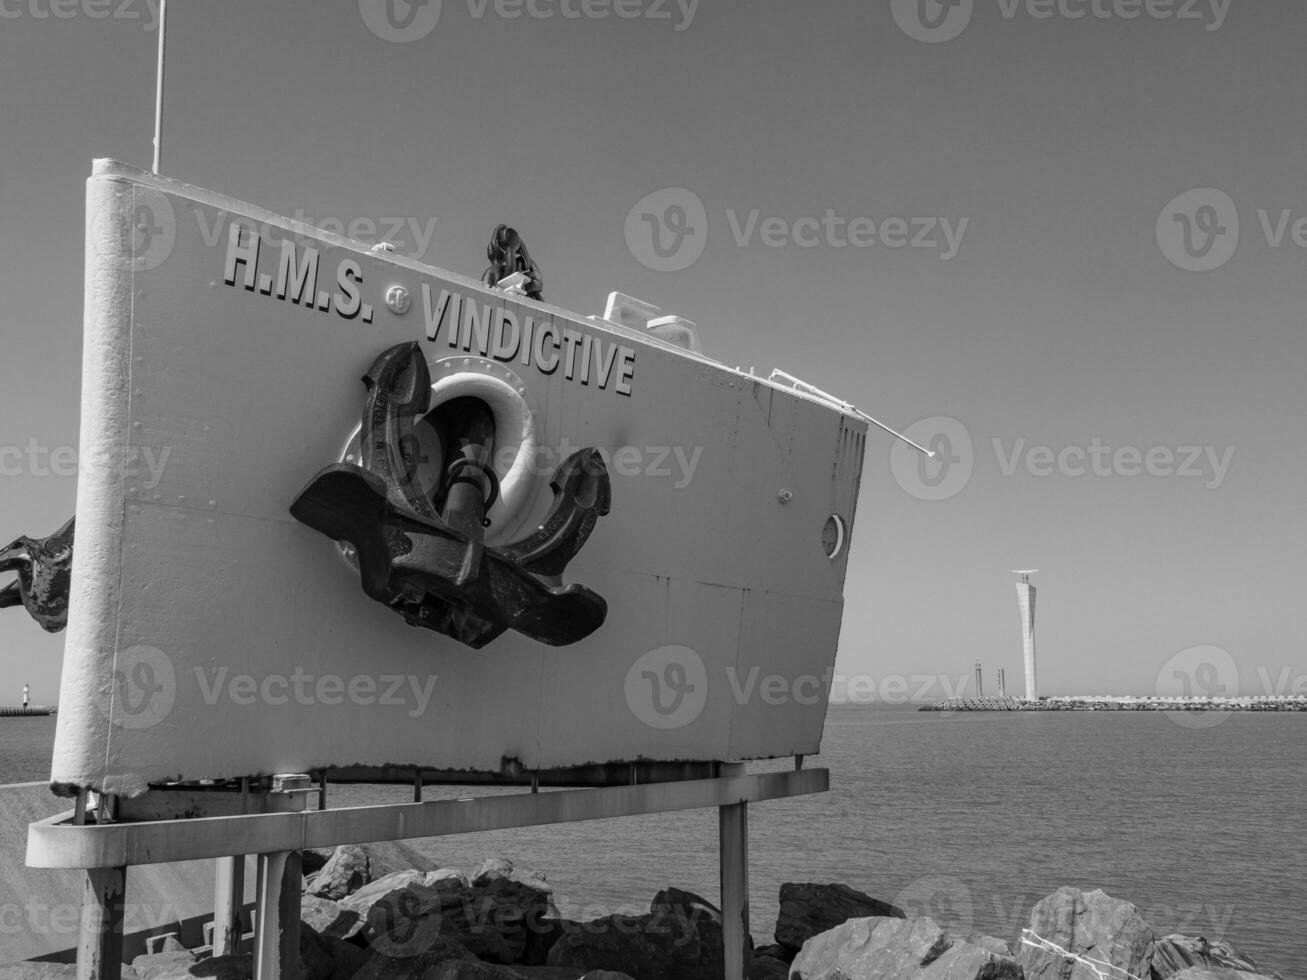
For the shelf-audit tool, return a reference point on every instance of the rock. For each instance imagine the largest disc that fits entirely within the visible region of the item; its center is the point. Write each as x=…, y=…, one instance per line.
x=329, y=918
x=445, y=874
x=184, y=966
x=515, y=906
x=680, y=939
x=362, y=901
x=380, y=966
x=1174, y=953
x=340, y=871
x=49, y=971
x=327, y=957
x=497, y=869
x=470, y=970
x=498, y=866
x=617, y=943
x=164, y=943
x=777, y=952
x=38, y=971
x=404, y=913
x=700, y=916
x=885, y=948
x=314, y=860
x=606, y=975
x=769, y=968
x=1217, y=973
x=388, y=857
x=991, y=943
x=809, y=909
x=315, y=960
x=541, y=934
x=1090, y=925
x=403, y=918
x=345, y=872
x=151, y=966
x=346, y=958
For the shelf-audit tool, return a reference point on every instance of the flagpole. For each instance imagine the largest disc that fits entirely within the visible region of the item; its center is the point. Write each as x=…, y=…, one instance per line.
x=158, y=93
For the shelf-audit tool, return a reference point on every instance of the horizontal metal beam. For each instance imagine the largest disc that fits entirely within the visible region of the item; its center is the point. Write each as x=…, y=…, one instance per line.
x=57, y=843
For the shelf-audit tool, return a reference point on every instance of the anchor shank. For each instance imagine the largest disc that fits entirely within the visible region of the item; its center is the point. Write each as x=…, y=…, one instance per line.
x=467, y=427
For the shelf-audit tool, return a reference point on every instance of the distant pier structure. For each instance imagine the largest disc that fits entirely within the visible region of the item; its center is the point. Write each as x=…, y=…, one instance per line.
x=1026, y=606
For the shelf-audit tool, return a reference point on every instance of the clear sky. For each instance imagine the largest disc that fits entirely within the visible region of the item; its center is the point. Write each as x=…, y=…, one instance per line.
x=1035, y=153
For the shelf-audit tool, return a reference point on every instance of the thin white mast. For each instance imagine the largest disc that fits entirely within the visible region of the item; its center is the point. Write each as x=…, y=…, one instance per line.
x=158, y=92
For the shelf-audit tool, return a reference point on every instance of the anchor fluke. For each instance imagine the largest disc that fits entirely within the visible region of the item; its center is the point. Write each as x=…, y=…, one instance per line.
x=44, y=569
x=423, y=553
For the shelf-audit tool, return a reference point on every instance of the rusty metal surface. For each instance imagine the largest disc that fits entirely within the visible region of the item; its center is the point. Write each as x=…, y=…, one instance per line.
x=507, y=254
x=423, y=554
x=44, y=569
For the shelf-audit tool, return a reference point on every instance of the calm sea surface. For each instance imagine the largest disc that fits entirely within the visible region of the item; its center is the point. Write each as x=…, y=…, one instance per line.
x=970, y=817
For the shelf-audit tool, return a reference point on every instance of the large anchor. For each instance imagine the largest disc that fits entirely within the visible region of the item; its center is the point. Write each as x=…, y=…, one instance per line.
x=423, y=554
x=44, y=567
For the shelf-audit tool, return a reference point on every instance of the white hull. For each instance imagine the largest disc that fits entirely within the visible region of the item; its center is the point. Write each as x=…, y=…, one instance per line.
x=211, y=635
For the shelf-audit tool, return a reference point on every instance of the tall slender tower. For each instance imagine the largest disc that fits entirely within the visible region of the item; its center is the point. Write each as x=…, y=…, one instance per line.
x=1026, y=605
x=1002, y=684
x=980, y=681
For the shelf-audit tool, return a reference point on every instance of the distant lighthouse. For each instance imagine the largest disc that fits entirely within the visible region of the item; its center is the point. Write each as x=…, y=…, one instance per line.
x=1026, y=605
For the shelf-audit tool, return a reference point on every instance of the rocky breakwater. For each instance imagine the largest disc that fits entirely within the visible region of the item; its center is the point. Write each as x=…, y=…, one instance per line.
x=362, y=919
x=1111, y=703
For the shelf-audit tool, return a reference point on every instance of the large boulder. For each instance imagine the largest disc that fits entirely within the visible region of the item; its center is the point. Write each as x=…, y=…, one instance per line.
x=424, y=968
x=679, y=939
x=403, y=914
x=324, y=957
x=698, y=916
x=516, y=905
x=184, y=966
x=991, y=943
x=27, y=970
x=329, y=918
x=885, y=948
x=314, y=860
x=1075, y=935
x=387, y=857
x=339, y=873
x=470, y=970
x=809, y=909
x=498, y=866
x=380, y=966
x=345, y=872
x=625, y=943
x=777, y=952
x=1218, y=973
x=153, y=966
x=1174, y=953
x=542, y=932
x=769, y=968
x=366, y=897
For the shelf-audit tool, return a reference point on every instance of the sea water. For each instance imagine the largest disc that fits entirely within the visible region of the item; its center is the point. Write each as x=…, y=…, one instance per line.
x=970, y=818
